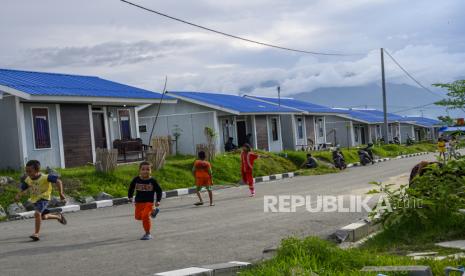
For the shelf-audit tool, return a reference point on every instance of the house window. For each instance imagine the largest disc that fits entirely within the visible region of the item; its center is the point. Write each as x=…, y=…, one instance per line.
x=356, y=133
x=274, y=129
x=142, y=128
x=300, y=128
x=41, y=128
x=378, y=130
x=125, y=124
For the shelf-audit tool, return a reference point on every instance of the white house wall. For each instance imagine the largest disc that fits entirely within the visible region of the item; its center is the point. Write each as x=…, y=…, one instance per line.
x=405, y=132
x=9, y=147
x=190, y=119
x=338, y=131
x=47, y=157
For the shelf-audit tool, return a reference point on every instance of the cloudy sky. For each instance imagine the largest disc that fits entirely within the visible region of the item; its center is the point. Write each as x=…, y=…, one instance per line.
x=111, y=39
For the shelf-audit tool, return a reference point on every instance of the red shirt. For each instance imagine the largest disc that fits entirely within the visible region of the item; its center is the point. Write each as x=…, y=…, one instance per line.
x=202, y=169
x=247, y=161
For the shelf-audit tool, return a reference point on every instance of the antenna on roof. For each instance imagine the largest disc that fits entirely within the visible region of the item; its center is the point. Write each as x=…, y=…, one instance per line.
x=279, y=95
x=158, y=110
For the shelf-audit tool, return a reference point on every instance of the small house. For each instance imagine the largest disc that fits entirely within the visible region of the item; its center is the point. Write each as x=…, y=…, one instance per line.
x=61, y=119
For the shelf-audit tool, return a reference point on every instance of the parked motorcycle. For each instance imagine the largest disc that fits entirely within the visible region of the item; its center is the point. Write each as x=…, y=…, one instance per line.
x=410, y=141
x=338, y=159
x=364, y=157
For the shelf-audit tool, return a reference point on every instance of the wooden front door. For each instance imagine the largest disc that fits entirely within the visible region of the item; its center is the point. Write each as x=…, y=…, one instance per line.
x=99, y=130
x=75, y=126
x=261, y=128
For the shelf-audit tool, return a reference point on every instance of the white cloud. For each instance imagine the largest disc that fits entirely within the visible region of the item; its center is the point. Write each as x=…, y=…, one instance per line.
x=117, y=41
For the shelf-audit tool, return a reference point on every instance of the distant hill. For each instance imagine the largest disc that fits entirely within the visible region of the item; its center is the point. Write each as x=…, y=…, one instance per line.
x=399, y=97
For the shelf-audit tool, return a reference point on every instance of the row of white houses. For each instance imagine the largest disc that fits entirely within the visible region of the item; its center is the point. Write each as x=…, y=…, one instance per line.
x=62, y=119
x=273, y=124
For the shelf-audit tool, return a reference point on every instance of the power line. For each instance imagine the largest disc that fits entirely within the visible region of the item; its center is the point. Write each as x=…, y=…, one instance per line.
x=235, y=36
x=411, y=77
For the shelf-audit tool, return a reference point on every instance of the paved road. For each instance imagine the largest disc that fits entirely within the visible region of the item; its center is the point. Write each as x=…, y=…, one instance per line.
x=105, y=241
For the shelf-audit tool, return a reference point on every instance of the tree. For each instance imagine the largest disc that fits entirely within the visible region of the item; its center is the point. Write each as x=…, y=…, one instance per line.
x=455, y=94
x=447, y=120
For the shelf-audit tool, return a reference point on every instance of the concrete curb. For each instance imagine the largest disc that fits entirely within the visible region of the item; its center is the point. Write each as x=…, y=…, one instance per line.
x=357, y=231
x=178, y=192
x=229, y=268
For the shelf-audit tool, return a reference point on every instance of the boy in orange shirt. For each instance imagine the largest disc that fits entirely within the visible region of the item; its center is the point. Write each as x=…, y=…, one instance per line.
x=202, y=171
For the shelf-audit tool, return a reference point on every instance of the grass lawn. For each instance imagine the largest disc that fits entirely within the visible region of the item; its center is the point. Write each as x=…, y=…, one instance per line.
x=304, y=256
x=83, y=181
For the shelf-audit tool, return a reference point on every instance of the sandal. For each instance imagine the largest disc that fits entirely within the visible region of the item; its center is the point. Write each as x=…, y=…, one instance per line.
x=62, y=219
x=198, y=203
x=34, y=238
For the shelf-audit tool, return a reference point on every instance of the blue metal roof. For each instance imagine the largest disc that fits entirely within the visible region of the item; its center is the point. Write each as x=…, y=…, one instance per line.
x=380, y=114
x=427, y=122
x=52, y=84
x=300, y=105
x=233, y=102
x=364, y=116
x=369, y=115
x=452, y=128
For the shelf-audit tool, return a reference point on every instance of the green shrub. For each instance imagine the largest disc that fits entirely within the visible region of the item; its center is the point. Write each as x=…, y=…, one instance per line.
x=429, y=209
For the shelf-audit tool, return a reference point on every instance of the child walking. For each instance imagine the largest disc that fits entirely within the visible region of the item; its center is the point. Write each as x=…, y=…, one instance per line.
x=442, y=148
x=40, y=188
x=146, y=188
x=202, y=171
x=247, y=162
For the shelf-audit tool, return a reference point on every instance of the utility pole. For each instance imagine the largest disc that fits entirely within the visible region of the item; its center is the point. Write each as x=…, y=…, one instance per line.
x=279, y=95
x=385, y=132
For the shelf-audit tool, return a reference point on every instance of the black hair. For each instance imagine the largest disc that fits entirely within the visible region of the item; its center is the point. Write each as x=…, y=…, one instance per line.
x=202, y=155
x=35, y=164
x=144, y=163
x=247, y=146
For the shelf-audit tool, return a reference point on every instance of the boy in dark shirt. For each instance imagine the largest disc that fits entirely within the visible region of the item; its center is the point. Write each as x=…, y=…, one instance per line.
x=146, y=187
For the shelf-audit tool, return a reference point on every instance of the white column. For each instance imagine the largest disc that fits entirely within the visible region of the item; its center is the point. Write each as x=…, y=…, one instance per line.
x=216, y=128
x=136, y=122
x=352, y=135
x=294, y=131
x=254, y=132
x=60, y=137
x=92, y=136
x=107, y=131
x=21, y=132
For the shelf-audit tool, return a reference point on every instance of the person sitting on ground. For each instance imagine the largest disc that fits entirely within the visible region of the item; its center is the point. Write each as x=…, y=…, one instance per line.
x=202, y=171
x=310, y=163
x=229, y=146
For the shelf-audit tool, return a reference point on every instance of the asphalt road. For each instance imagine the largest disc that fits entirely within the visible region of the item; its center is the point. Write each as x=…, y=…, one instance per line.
x=106, y=241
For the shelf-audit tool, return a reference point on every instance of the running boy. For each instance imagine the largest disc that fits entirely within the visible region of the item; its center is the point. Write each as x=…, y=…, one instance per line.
x=202, y=171
x=40, y=188
x=247, y=161
x=146, y=187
